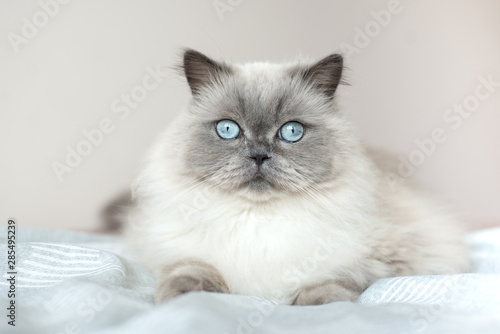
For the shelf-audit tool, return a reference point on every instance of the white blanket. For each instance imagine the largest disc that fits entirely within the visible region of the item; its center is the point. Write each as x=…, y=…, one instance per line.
x=79, y=283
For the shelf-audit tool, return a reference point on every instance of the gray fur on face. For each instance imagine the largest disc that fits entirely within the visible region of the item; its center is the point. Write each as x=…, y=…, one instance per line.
x=260, y=102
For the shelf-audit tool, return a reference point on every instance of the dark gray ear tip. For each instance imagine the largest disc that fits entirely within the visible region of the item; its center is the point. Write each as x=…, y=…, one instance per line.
x=333, y=62
x=200, y=70
x=191, y=54
x=335, y=58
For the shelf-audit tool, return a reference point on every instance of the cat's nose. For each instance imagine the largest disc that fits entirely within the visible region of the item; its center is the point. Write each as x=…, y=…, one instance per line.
x=259, y=158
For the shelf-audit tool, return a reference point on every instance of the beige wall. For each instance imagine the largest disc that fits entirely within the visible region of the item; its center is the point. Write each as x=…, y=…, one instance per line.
x=66, y=76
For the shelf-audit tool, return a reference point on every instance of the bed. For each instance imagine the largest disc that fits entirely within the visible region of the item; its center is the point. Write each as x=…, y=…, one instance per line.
x=69, y=282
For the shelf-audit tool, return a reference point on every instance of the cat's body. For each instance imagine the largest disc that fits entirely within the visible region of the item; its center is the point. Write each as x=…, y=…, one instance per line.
x=315, y=221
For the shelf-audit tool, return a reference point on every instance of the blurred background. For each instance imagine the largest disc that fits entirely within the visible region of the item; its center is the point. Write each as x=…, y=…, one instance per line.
x=83, y=93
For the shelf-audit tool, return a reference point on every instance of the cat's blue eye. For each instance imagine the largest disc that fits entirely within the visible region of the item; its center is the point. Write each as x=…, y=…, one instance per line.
x=227, y=129
x=291, y=132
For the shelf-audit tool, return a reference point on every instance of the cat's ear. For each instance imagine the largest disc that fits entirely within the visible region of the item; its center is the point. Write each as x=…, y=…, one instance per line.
x=201, y=70
x=326, y=74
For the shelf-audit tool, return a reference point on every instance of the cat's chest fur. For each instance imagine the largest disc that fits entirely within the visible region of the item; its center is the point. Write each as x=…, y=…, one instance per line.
x=265, y=250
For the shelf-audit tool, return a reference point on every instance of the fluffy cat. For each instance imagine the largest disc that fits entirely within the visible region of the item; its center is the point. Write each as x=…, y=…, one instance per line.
x=261, y=188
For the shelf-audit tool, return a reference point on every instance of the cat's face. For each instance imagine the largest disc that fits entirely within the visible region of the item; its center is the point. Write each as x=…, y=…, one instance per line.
x=262, y=130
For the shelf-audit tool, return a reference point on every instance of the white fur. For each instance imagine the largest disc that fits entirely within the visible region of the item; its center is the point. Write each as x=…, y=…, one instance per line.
x=355, y=228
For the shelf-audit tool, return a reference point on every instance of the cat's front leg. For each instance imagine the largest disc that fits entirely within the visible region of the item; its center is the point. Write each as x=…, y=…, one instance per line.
x=327, y=292
x=186, y=276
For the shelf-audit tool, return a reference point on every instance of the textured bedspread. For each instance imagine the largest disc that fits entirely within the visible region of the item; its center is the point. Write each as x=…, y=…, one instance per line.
x=79, y=283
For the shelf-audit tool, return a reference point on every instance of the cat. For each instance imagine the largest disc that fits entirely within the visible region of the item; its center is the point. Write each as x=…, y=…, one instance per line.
x=260, y=187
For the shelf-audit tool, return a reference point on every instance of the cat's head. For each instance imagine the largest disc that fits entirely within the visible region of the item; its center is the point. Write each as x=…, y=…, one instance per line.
x=263, y=130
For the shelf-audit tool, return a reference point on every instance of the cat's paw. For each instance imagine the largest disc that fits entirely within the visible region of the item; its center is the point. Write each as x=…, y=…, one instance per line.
x=189, y=276
x=325, y=293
